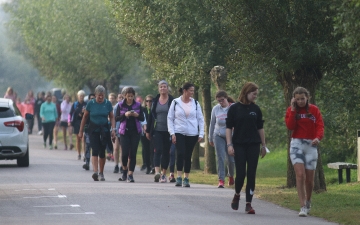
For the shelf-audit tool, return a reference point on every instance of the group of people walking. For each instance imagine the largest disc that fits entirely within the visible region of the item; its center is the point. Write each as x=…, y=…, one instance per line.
x=165, y=123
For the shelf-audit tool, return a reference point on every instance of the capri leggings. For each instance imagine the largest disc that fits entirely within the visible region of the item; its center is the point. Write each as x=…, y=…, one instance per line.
x=129, y=144
x=184, y=146
x=246, y=161
x=162, y=143
x=301, y=151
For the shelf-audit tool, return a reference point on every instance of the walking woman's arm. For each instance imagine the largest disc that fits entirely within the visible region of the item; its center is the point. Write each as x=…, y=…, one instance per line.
x=263, y=147
x=83, y=121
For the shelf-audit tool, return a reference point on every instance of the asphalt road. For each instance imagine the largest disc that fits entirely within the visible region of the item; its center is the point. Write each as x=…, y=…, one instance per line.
x=56, y=190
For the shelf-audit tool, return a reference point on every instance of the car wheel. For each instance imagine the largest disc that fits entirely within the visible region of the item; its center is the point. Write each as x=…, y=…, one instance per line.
x=24, y=161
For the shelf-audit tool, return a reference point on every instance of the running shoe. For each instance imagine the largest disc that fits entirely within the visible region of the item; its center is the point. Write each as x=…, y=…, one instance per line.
x=71, y=146
x=231, y=181
x=157, y=177
x=79, y=157
x=172, y=178
x=130, y=179
x=116, y=169
x=178, y=182
x=55, y=146
x=50, y=147
x=121, y=169
x=163, y=179
x=108, y=157
x=249, y=209
x=308, y=206
x=186, y=182
x=152, y=171
x=221, y=184
x=102, y=178
x=143, y=167
x=95, y=176
x=148, y=170
x=303, y=212
x=40, y=132
x=123, y=178
x=44, y=144
x=86, y=166
x=235, y=202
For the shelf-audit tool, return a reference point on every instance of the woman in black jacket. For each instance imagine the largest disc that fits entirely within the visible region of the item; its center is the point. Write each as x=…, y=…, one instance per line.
x=157, y=130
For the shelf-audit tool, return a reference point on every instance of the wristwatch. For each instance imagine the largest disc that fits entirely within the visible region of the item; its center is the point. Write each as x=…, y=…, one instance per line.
x=228, y=145
x=112, y=129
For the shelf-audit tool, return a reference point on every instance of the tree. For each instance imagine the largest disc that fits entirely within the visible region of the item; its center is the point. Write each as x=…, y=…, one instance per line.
x=182, y=42
x=292, y=40
x=74, y=43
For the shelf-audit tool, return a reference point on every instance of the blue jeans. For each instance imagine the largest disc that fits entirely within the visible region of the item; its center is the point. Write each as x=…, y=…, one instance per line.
x=223, y=157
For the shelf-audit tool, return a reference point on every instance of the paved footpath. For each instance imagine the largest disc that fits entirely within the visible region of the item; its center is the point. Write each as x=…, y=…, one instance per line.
x=56, y=190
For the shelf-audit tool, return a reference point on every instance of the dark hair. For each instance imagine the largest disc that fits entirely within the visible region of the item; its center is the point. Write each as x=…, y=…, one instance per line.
x=299, y=91
x=246, y=89
x=129, y=90
x=222, y=93
x=186, y=86
x=91, y=95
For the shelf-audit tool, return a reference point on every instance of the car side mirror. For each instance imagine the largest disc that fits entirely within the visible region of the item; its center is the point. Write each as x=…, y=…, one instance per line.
x=29, y=116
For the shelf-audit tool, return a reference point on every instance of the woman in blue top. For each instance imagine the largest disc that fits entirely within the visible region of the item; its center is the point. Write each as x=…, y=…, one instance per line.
x=99, y=110
x=48, y=114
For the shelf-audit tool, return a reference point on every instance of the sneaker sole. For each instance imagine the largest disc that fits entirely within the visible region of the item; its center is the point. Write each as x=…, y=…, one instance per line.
x=250, y=212
x=302, y=215
x=178, y=185
x=172, y=181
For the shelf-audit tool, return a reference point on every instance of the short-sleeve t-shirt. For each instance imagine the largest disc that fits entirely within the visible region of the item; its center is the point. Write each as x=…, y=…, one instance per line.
x=99, y=112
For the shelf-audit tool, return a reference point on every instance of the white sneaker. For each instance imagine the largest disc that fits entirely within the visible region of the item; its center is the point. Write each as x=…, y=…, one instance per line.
x=40, y=132
x=303, y=211
x=308, y=206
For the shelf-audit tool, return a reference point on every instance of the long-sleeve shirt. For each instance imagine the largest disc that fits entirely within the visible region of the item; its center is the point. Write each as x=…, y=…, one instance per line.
x=308, y=125
x=48, y=112
x=189, y=125
x=246, y=121
x=218, y=121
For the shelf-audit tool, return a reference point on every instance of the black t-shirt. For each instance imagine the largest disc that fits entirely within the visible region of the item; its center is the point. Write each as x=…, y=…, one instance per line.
x=246, y=121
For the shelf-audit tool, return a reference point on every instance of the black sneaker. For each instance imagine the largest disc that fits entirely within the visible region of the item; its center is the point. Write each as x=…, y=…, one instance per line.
x=152, y=171
x=121, y=169
x=123, y=178
x=130, y=179
x=86, y=166
x=235, y=202
x=116, y=169
x=143, y=167
x=148, y=170
x=95, y=176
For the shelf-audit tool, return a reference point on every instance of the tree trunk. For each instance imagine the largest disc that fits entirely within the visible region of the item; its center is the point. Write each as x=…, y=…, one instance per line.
x=195, y=158
x=309, y=79
x=210, y=163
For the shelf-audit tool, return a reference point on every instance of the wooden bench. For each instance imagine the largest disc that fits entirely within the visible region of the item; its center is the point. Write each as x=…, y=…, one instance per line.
x=340, y=166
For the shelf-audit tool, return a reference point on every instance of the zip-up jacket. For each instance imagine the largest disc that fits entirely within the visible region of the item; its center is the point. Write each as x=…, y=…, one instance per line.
x=178, y=122
x=152, y=115
x=122, y=118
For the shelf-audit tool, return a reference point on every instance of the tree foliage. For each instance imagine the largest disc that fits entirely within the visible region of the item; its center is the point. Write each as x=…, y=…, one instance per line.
x=74, y=43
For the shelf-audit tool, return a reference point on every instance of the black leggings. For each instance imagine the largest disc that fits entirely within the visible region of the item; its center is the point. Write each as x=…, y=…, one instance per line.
x=129, y=144
x=48, y=131
x=146, y=151
x=246, y=155
x=162, y=145
x=98, y=147
x=184, y=146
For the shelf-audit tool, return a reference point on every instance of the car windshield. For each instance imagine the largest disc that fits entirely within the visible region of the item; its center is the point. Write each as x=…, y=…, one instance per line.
x=6, y=112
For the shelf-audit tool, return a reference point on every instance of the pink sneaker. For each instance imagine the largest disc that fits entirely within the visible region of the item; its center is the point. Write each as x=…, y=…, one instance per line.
x=221, y=184
x=231, y=181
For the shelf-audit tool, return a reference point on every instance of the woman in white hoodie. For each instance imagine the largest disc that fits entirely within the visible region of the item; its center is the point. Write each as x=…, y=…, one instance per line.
x=186, y=126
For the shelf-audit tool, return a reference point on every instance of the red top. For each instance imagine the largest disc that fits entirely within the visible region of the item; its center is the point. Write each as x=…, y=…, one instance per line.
x=306, y=127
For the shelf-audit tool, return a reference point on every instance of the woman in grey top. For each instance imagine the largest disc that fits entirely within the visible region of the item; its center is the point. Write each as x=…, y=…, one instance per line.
x=217, y=137
x=158, y=132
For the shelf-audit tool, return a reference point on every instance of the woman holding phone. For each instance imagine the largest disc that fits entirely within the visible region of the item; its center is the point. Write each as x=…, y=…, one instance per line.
x=129, y=113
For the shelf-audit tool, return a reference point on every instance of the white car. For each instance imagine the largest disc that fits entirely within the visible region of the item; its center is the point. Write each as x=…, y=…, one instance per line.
x=14, y=139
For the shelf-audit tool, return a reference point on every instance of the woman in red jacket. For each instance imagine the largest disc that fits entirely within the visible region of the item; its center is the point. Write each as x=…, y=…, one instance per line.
x=307, y=126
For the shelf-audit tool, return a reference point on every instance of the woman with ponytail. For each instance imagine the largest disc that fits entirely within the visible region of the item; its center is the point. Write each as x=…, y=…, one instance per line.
x=307, y=126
